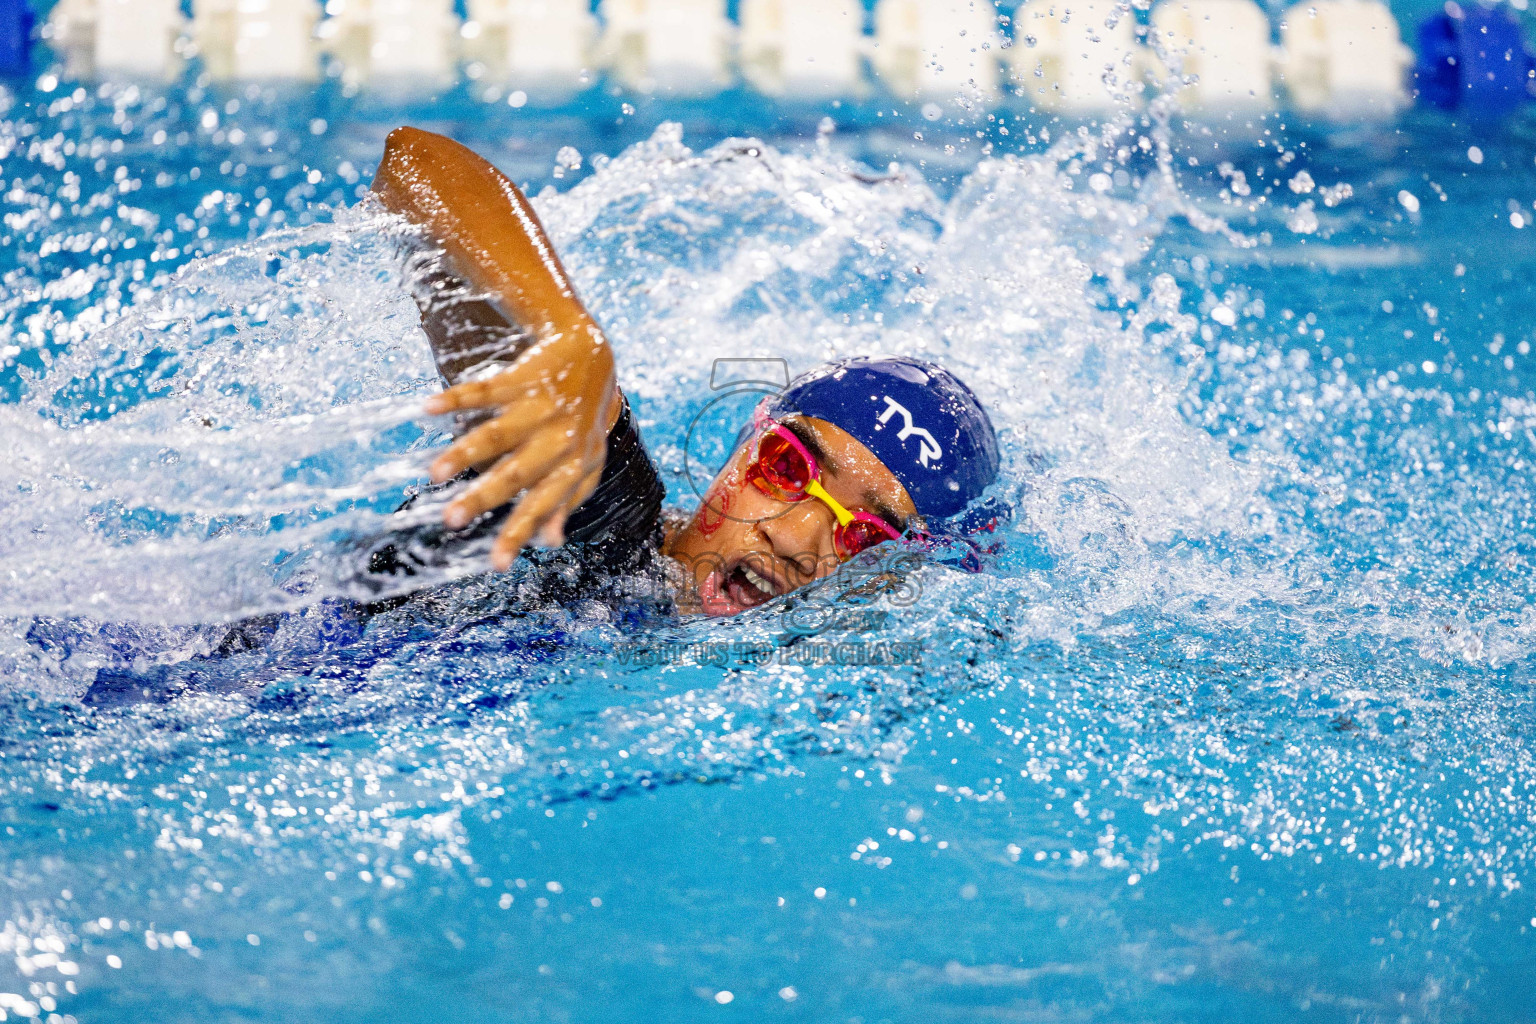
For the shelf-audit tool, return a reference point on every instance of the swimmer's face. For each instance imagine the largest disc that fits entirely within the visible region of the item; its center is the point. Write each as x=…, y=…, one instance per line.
x=743, y=547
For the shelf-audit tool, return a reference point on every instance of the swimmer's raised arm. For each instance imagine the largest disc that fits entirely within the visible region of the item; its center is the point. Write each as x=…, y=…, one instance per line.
x=554, y=404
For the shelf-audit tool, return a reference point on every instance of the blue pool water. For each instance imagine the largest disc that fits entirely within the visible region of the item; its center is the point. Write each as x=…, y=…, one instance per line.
x=1235, y=725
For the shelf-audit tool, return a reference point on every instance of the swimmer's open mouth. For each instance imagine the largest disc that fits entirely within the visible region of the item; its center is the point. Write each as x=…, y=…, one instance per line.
x=749, y=586
x=749, y=581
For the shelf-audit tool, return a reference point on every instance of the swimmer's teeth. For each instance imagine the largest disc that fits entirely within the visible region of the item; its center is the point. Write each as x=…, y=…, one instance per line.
x=757, y=581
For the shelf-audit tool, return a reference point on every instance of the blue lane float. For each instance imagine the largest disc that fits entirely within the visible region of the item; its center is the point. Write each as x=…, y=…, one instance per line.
x=1474, y=60
x=15, y=37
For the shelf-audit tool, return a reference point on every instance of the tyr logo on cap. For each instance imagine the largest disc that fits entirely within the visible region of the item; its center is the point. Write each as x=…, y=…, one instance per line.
x=928, y=448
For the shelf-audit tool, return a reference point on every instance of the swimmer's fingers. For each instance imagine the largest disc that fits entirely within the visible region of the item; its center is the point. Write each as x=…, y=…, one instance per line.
x=512, y=475
x=548, y=368
x=551, y=532
x=492, y=393
x=542, y=510
x=543, y=453
x=584, y=490
x=489, y=441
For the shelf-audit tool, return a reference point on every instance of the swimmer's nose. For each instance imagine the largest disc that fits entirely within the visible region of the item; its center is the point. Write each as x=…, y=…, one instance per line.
x=802, y=539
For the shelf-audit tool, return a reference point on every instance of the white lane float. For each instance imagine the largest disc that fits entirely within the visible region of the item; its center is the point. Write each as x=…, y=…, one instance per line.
x=137, y=35
x=810, y=48
x=276, y=39
x=677, y=46
x=134, y=37
x=260, y=39
x=938, y=48
x=1076, y=56
x=71, y=30
x=1223, y=46
x=214, y=30
x=1344, y=58
x=399, y=41
x=544, y=44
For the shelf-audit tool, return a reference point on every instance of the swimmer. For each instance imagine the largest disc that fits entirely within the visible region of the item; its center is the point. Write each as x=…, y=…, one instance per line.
x=849, y=456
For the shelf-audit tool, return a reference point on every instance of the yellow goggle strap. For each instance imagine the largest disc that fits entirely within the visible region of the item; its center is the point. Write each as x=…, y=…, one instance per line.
x=815, y=490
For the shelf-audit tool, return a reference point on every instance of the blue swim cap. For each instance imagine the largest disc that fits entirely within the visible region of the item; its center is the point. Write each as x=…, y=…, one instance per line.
x=915, y=417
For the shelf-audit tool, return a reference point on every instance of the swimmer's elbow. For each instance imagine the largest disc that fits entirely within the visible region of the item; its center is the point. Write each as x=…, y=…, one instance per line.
x=402, y=136
x=407, y=153
x=404, y=144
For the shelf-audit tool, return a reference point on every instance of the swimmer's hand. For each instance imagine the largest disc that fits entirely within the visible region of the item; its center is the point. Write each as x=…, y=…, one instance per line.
x=544, y=448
